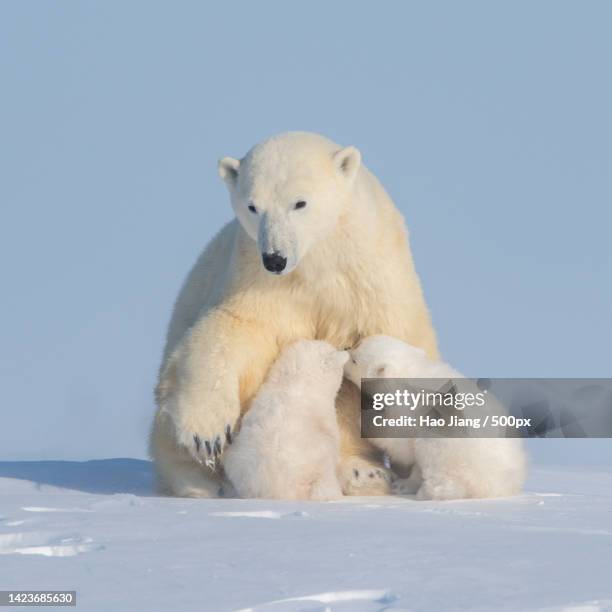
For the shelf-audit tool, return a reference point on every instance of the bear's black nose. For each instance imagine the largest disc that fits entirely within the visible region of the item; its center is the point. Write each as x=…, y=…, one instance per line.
x=274, y=262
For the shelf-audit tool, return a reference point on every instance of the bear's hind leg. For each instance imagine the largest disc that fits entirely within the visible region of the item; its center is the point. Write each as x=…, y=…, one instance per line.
x=361, y=470
x=364, y=477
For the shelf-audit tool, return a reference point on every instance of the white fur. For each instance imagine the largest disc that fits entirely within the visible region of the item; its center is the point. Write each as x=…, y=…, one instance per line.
x=442, y=468
x=289, y=443
x=349, y=275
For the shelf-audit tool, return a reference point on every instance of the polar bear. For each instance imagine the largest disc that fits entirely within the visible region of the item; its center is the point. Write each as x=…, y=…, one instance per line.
x=289, y=442
x=442, y=468
x=317, y=251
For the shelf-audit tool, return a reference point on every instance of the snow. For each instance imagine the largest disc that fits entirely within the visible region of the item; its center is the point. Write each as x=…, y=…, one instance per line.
x=97, y=527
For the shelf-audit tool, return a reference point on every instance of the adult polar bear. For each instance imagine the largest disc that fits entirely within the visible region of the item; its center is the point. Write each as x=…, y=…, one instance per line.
x=317, y=251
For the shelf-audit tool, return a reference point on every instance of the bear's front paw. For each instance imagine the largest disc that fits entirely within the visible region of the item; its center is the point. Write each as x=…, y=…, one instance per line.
x=205, y=434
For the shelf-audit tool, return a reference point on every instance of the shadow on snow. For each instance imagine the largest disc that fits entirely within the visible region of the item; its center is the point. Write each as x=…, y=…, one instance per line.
x=96, y=476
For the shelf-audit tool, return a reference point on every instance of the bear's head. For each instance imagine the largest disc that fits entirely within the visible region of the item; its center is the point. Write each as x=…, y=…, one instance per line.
x=288, y=193
x=384, y=357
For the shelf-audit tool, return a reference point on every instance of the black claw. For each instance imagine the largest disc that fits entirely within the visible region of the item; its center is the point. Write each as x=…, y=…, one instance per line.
x=217, y=446
x=208, y=447
x=197, y=441
x=371, y=474
x=356, y=472
x=228, y=434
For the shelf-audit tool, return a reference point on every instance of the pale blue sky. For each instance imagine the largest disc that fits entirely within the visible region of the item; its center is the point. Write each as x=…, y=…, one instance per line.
x=488, y=122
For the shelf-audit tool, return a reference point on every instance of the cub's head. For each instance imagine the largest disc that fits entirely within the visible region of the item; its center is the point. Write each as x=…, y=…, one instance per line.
x=313, y=363
x=288, y=193
x=384, y=357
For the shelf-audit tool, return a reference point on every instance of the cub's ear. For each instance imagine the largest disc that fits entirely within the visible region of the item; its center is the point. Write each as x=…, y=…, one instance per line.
x=347, y=161
x=228, y=170
x=382, y=371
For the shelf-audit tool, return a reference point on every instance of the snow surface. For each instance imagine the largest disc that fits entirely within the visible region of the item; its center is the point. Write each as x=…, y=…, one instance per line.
x=96, y=527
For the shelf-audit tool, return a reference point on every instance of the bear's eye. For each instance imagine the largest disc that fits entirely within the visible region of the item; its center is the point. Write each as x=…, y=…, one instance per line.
x=300, y=204
x=252, y=208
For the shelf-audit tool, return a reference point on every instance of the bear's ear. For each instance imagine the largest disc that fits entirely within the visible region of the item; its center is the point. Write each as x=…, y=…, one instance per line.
x=228, y=170
x=347, y=161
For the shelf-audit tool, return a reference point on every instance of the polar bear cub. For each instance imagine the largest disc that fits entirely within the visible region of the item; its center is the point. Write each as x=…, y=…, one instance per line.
x=288, y=446
x=442, y=468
